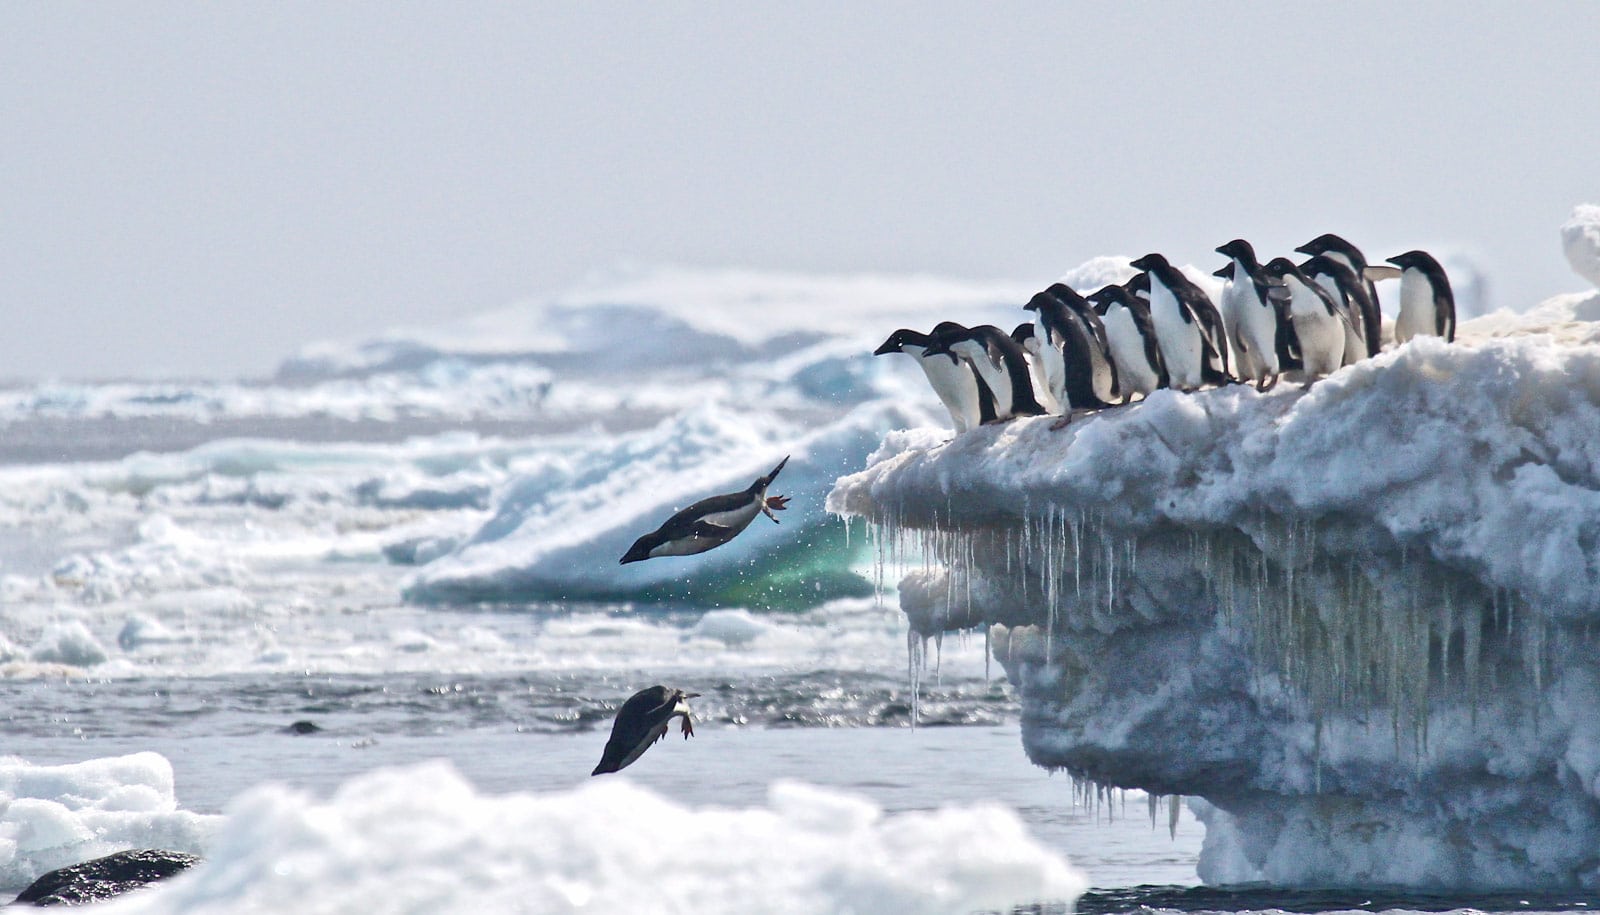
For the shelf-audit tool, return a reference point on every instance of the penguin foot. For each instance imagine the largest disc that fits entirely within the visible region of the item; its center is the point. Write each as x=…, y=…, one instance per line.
x=774, y=504
x=1267, y=384
x=688, y=729
x=1062, y=423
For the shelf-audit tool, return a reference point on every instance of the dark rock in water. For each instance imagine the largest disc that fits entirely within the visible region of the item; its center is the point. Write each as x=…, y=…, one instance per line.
x=301, y=727
x=106, y=877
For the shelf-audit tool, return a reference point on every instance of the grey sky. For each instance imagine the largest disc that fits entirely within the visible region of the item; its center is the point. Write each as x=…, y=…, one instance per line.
x=202, y=188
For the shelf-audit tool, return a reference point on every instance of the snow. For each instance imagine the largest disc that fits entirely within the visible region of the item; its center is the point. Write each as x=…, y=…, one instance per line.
x=422, y=839
x=1580, y=241
x=52, y=816
x=1363, y=610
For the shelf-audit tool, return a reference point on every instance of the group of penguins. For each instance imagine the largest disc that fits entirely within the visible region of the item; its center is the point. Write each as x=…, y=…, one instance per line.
x=1081, y=353
x=1161, y=330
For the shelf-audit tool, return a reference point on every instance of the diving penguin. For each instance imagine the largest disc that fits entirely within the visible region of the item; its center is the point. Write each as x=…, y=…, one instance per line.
x=1427, y=306
x=711, y=522
x=642, y=721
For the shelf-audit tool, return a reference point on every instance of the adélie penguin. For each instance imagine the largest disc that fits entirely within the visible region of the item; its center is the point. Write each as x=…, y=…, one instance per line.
x=1318, y=323
x=1102, y=371
x=957, y=387
x=1000, y=364
x=1041, y=356
x=1254, y=319
x=642, y=721
x=1348, y=292
x=711, y=522
x=1427, y=306
x=1188, y=326
x=1087, y=380
x=1131, y=340
x=1341, y=251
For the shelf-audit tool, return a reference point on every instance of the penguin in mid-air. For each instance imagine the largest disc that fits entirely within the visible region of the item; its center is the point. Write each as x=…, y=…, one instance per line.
x=711, y=522
x=1342, y=251
x=1254, y=318
x=966, y=397
x=1000, y=363
x=1427, y=306
x=1188, y=326
x=642, y=721
x=1318, y=323
x=1131, y=340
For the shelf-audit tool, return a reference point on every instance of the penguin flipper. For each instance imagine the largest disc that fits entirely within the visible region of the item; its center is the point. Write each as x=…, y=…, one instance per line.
x=708, y=529
x=1377, y=272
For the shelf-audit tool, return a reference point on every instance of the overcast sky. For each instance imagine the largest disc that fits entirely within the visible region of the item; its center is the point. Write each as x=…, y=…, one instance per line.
x=201, y=188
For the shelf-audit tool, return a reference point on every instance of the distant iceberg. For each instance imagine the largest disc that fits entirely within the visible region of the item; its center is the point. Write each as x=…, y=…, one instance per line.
x=1356, y=623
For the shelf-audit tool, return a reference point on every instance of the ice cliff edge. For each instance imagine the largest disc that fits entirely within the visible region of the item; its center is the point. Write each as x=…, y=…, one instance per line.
x=1356, y=622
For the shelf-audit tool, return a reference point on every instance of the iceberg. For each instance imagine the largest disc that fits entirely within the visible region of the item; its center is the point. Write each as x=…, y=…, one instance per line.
x=1354, y=623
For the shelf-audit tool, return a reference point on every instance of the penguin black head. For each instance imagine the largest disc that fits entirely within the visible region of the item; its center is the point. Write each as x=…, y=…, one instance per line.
x=1420, y=260
x=1022, y=332
x=1226, y=272
x=900, y=339
x=1151, y=261
x=1037, y=302
x=1282, y=266
x=947, y=327
x=1323, y=265
x=1237, y=248
x=1327, y=242
x=1139, y=283
x=641, y=548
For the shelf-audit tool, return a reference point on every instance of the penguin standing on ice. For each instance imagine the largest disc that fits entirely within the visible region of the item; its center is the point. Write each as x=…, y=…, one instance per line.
x=642, y=721
x=1088, y=381
x=1188, y=326
x=1318, y=323
x=1040, y=356
x=1000, y=364
x=1349, y=292
x=1341, y=251
x=1131, y=340
x=711, y=522
x=1254, y=319
x=1427, y=306
x=966, y=397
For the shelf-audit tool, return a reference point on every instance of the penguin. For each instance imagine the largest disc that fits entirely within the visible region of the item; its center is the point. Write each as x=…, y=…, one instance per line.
x=1039, y=353
x=1342, y=251
x=1349, y=292
x=1188, y=326
x=1000, y=363
x=642, y=721
x=1318, y=323
x=962, y=393
x=1427, y=306
x=1254, y=318
x=1088, y=381
x=1131, y=341
x=711, y=522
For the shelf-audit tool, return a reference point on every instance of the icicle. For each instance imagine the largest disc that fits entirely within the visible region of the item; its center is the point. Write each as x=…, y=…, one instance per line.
x=1174, y=806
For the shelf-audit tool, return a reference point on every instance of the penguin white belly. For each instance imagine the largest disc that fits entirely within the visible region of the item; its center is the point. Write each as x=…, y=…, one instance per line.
x=1416, y=307
x=1232, y=306
x=1178, y=339
x=1134, y=371
x=1102, y=377
x=1258, y=333
x=998, y=380
x=954, y=384
x=1355, y=348
x=1040, y=357
x=1321, y=334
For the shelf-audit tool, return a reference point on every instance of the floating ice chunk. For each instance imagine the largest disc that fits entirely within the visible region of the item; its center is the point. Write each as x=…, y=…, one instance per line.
x=140, y=629
x=52, y=816
x=1580, y=240
x=421, y=839
x=69, y=643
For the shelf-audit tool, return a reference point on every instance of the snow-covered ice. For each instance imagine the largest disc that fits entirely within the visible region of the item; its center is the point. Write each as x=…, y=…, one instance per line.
x=1356, y=620
x=422, y=839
